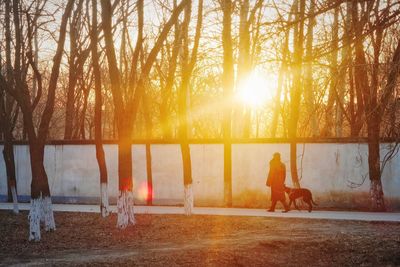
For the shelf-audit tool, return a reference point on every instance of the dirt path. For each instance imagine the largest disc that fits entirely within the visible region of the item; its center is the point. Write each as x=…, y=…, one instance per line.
x=172, y=240
x=111, y=255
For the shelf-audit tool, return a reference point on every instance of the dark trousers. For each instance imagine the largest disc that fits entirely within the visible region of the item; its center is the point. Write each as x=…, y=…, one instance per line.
x=274, y=204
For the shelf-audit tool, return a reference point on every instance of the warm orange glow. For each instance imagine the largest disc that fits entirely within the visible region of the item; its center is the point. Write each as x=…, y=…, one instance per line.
x=126, y=184
x=257, y=89
x=142, y=191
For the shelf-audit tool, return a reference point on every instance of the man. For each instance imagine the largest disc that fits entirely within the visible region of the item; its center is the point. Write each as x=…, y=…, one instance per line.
x=276, y=180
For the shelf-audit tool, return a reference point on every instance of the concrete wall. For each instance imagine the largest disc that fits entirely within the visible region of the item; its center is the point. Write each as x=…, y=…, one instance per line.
x=329, y=170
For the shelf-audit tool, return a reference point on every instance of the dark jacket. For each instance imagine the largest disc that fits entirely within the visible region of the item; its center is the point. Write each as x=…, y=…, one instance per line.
x=276, y=179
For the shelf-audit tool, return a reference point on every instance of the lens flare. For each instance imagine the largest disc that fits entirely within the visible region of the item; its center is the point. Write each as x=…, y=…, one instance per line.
x=143, y=191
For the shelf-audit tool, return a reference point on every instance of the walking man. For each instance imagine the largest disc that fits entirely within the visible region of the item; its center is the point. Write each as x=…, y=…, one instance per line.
x=276, y=180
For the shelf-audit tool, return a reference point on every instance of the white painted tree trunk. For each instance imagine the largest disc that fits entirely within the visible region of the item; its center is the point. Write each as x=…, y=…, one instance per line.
x=15, y=199
x=35, y=215
x=376, y=195
x=125, y=207
x=188, y=199
x=104, y=208
x=49, y=223
x=41, y=211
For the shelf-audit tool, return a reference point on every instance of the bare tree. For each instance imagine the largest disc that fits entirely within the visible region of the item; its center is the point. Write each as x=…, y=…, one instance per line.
x=41, y=208
x=227, y=83
x=8, y=115
x=308, y=72
x=7, y=121
x=188, y=63
x=101, y=161
x=372, y=98
x=296, y=90
x=126, y=106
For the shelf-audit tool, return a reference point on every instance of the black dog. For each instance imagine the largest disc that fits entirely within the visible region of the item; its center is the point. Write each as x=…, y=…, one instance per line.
x=295, y=193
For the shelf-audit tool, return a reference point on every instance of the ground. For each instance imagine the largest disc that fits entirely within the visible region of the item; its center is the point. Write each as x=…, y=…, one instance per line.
x=86, y=239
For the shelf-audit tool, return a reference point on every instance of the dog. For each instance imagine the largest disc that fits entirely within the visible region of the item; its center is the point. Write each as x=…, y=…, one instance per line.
x=295, y=193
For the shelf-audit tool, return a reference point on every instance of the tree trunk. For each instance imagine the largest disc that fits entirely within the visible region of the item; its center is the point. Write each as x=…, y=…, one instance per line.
x=374, y=118
x=244, y=113
x=344, y=68
x=296, y=90
x=72, y=80
x=149, y=170
x=188, y=64
x=82, y=130
x=183, y=105
x=123, y=120
x=101, y=161
x=187, y=178
x=125, y=200
x=36, y=46
x=376, y=190
x=373, y=122
x=373, y=108
x=8, y=154
x=227, y=81
x=41, y=206
x=6, y=106
x=8, y=150
x=227, y=170
x=149, y=134
x=361, y=81
x=308, y=73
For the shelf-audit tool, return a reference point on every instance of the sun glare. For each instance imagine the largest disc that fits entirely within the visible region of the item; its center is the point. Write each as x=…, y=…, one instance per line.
x=257, y=89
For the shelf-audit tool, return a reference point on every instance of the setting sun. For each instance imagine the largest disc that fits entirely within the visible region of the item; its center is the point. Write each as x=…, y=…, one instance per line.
x=257, y=89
